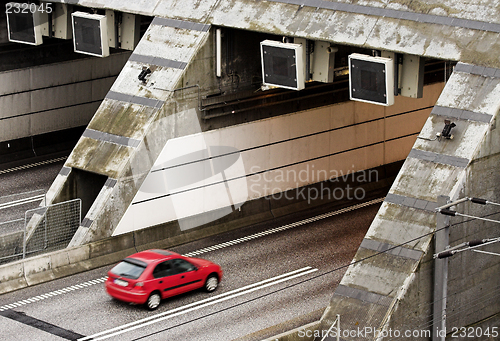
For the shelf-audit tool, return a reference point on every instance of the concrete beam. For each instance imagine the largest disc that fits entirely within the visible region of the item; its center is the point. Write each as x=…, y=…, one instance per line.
x=382, y=291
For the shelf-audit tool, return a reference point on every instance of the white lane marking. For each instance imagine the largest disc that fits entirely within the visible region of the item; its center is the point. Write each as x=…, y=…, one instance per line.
x=53, y=293
x=236, y=241
x=22, y=201
x=198, y=305
x=12, y=221
x=282, y=228
x=307, y=268
x=33, y=165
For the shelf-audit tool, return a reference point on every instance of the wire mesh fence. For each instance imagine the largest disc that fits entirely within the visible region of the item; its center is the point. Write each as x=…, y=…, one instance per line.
x=12, y=208
x=12, y=212
x=51, y=227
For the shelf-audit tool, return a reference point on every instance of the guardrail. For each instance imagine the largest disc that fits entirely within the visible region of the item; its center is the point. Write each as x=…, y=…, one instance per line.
x=42, y=229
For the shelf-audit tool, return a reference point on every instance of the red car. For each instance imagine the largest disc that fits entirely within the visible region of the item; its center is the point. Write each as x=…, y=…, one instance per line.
x=149, y=276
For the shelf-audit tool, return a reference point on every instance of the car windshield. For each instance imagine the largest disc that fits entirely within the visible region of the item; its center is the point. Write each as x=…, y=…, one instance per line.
x=128, y=269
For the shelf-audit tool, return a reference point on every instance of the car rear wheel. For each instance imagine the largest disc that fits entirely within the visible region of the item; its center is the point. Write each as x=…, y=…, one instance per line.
x=211, y=283
x=153, y=300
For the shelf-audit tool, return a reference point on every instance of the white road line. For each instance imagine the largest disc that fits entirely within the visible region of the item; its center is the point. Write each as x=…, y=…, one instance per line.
x=12, y=221
x=33, y=165
x=233, y=242
x=53, y=293
x=307, y=268
x=283, y=228
x=21, y=201
x=198, y=305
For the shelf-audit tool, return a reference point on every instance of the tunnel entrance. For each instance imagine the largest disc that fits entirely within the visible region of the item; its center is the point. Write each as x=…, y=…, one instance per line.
x=85, y=186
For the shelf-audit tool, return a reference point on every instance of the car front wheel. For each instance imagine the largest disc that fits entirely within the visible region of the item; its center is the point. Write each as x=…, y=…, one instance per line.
x=153, y=300
x=211, y=283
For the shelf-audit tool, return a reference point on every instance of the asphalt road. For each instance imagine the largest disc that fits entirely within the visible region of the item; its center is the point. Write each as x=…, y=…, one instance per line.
x=273, y=282
x=22, y=190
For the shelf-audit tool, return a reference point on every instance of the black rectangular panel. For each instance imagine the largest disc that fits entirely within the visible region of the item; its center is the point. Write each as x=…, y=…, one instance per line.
x=279, y=66
x=87, y=35
x=368, y=81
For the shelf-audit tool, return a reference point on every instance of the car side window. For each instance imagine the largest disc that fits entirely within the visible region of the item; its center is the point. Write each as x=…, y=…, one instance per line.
x=163, y=269
x=181, y=265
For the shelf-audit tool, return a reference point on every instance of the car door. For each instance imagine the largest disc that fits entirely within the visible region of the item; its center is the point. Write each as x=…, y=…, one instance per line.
x=166, y=280
x=189, y=278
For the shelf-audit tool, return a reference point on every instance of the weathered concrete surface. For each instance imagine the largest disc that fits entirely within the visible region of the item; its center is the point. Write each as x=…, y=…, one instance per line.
x=412, y=27
x=375, y=290
x=393, y=290
x=304, y=333
x=134, y=121
x=44, y=107
x=76, y=259
x=120, y=144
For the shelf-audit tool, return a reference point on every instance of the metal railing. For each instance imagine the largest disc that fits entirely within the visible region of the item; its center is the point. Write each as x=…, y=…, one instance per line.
x=12, y=209
x=38, y=230
x=51, y=227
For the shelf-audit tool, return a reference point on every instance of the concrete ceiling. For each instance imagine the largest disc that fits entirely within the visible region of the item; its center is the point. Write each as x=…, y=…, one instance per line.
x=459, y=30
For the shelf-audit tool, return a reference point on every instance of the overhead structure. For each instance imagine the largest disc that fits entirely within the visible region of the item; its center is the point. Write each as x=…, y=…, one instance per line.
x=122, y=143
x=92, y=33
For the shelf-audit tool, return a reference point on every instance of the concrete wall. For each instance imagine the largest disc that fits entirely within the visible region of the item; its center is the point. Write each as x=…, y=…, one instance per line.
x=389, y=284
x=326, y=141
x=304, y=333
x=280, y=153
x=473, y=278
x=72, y=260
x=53, y=97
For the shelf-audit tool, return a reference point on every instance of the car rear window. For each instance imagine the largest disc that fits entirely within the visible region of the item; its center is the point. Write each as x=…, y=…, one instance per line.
x=161, y=252
x=129, y=268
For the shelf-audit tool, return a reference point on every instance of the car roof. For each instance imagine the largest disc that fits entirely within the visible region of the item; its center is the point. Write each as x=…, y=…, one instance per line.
x=150, y=256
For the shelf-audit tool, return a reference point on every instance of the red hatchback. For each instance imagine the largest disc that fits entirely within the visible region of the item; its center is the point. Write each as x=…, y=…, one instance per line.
x=149, y=276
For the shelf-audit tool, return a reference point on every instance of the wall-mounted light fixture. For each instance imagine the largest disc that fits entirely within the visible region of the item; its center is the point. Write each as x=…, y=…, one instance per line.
x=144, y=73
x=446, y=133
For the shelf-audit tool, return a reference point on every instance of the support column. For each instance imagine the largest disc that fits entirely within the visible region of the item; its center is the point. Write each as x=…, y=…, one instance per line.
x=442, y=240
